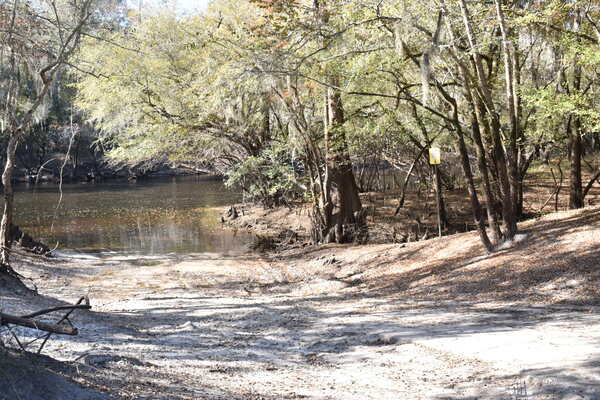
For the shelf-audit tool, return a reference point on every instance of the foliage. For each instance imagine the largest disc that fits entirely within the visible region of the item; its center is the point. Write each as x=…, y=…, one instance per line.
x=170, y=89
x=270, y=178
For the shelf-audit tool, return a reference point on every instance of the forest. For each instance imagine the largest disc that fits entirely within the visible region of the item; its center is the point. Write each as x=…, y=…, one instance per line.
x=299, y=101
x=291, y=100
x=331, y=108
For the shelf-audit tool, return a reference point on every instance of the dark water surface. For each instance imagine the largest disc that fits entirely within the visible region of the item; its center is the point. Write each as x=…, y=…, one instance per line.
x=159, y=216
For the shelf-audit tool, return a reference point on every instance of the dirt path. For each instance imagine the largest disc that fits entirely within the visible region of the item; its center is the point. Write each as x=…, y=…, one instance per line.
x=212, y=327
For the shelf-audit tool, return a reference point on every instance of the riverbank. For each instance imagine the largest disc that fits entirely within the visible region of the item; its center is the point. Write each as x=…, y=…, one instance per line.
x=424, y=320
x=415, y=219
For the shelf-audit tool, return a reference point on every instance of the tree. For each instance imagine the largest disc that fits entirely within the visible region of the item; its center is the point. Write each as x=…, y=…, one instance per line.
x=176, y=92
x=568, y=100
x=37, y=39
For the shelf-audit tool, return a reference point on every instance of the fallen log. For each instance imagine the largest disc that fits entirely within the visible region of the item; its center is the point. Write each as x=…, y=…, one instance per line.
x=42, y=326
x=27, y=321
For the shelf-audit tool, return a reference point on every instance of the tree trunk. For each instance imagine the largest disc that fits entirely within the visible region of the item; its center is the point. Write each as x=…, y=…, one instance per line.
x=575, y=150
x=339, y=167
x=508, y=209
x=441, y=206
x=475, y=204
x=519, y=209
x=510, y=65
x=7, y=216
x=487, y=187
x=477, y=120
x=466, y=165
x=68, y=43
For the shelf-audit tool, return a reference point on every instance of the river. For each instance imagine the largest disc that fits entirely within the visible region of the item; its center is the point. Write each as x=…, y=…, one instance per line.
x=160, y=216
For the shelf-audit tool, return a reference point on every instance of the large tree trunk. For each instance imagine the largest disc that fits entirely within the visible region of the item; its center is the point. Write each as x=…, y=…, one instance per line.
x=487, y=187
x=338, y=176
x=7, y=216
x=523, y=161
x=466, y=165
x=346, y=223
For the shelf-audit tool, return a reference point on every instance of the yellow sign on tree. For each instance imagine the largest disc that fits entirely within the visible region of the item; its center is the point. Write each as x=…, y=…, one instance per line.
x=435, y=156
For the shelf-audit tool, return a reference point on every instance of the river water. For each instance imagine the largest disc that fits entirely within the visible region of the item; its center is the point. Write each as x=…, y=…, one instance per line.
x=178, y=215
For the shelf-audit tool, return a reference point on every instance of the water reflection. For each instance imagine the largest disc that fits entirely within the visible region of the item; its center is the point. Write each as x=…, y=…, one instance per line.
x=172, y=215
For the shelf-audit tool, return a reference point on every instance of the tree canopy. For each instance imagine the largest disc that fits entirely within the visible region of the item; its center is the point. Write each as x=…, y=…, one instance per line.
x=290, y=99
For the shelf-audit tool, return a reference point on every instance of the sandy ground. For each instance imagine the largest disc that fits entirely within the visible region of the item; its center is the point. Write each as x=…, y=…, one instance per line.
x=213, y=327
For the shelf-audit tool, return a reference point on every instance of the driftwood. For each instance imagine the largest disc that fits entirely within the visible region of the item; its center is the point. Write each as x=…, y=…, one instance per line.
x=42, y=326
x=56, y=328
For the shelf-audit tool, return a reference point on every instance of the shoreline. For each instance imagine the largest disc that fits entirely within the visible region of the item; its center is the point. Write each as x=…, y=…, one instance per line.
x=53, y=180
